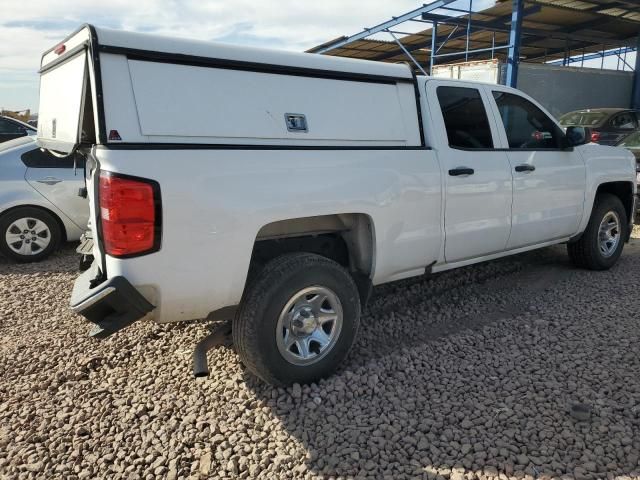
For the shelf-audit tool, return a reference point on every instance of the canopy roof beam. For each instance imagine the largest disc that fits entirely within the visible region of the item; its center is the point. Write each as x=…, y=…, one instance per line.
x=386, y=25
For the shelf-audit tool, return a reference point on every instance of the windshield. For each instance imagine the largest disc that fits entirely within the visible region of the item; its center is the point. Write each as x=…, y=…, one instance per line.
x=582, y=119
x=632, y=141
x=16, y=142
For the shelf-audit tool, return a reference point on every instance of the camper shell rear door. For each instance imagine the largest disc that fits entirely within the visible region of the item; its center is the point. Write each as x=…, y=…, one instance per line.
x=66, y=108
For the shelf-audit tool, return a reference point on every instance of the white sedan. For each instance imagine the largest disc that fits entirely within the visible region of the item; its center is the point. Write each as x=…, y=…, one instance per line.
x=40, y=205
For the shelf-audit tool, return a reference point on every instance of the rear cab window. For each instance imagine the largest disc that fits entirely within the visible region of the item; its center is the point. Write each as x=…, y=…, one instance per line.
x=526, y=126
x=465, y=118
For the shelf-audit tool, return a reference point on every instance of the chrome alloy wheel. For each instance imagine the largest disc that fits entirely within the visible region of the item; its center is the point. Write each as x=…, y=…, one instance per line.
x=28, y=236
x=609, y=234
x=309, y=325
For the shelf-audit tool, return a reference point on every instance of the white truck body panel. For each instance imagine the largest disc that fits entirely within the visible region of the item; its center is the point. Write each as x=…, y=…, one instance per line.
x=251, y=108
x=390, y=187
x=236, y=53
x=479, y=205
x=207, y=123
x=551, y=206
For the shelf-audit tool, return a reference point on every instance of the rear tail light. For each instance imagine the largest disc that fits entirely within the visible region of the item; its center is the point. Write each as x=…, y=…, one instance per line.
x=595, y=137
x=130, y=214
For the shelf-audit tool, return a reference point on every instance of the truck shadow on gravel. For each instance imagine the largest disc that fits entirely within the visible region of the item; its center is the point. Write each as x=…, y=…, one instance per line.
x=473, y=374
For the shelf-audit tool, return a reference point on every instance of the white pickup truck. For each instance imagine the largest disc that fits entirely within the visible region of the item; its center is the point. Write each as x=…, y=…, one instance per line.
x=277, y=188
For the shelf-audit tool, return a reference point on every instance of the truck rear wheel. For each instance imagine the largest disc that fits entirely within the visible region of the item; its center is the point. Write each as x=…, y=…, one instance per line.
x=298, y=319
x=601, y=243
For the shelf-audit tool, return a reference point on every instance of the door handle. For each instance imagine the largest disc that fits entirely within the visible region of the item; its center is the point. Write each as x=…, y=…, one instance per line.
x=49, y=180
x=525, y=167
x=455, y=172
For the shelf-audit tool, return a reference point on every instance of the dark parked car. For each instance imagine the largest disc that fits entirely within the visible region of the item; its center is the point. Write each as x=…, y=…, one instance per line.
x=632, y=142
x=608, y=125
x=11, y=128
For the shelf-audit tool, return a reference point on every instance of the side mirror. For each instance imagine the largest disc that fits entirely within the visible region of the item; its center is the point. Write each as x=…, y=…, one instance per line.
x=577, y=136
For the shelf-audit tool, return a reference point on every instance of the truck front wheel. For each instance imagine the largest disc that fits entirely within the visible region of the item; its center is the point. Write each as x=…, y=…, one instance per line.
x=298, y=319
x=601, y=243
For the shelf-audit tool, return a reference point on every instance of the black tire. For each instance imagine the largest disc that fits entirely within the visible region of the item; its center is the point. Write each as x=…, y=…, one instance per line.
x=585, y=253
x=254, y=327
x=30, y=214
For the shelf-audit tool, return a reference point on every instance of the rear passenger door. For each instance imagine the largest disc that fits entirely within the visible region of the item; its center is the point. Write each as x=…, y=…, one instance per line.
x=477, y=178
x=548, y=178
x=58, y=181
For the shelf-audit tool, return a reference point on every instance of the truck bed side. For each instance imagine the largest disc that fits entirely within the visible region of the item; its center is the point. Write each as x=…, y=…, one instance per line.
x=216, y=201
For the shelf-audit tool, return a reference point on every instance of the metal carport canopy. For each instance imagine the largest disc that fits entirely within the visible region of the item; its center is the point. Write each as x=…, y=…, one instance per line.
x=551, y=30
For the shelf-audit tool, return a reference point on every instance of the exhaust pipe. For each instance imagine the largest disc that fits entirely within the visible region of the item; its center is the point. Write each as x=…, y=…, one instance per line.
x=215, y=338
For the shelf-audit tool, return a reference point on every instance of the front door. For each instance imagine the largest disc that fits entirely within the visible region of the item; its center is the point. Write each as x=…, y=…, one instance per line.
x=548, y=178
x=477, y=178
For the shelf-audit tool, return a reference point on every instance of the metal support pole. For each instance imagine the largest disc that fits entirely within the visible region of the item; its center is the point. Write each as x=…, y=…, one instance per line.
x=635, y=93
x=406, y=52
x=624, y=59
x=466, y=55
x=625, y=63
x=582, y=61
x=515, y=36
x=493, y=45
x=434, y=35
x=475, y=50
x=602, y=61
x=447, y=39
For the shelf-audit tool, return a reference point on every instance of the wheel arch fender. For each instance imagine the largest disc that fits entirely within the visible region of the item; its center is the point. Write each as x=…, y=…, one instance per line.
x=623, y=189
x=348, y=238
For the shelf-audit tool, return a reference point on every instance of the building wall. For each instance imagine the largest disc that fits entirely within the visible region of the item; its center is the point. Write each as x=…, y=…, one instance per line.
x=563, y=89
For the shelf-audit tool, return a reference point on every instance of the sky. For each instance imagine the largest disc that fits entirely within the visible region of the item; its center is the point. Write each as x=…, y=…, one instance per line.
x=27, y=28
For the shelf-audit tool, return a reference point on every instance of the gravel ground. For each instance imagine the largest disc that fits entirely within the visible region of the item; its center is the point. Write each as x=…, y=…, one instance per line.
x=473, y=373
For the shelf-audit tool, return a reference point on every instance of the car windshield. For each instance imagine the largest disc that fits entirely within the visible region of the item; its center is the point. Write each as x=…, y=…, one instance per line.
x=583, y=119
x=16, y=142
x=632, y=141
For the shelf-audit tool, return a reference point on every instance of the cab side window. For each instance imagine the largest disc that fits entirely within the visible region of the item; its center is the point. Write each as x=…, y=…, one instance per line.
x=624, y=121
x=527, y=126
x=465, y=118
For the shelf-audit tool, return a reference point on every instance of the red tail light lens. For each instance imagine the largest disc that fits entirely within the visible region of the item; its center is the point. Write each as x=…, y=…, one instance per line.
x=595, y=137
x=129, y=214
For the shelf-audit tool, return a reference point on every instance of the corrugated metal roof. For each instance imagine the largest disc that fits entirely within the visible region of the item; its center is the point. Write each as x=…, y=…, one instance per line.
x=549, y=26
